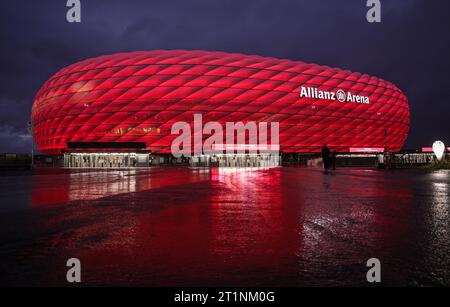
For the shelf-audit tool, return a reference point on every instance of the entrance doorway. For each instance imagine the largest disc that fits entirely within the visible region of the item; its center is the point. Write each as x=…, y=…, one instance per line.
x=106, y=160
x=237, y=160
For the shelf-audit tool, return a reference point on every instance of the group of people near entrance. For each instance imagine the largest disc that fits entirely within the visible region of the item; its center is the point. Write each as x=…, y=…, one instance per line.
x=328, y=157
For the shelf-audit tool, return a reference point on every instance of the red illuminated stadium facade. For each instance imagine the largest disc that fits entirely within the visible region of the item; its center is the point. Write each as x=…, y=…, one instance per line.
x=134, y=98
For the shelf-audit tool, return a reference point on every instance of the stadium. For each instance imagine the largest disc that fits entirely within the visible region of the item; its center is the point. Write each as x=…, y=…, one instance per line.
x=118, y=110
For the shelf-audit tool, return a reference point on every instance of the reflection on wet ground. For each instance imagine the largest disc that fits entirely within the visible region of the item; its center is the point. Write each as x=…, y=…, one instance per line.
x=235, y=227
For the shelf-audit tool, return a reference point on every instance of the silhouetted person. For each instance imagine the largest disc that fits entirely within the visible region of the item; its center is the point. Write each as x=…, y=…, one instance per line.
x=326, y=156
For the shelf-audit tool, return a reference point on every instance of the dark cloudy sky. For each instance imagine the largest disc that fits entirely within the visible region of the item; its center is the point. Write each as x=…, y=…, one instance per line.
x=411, y=47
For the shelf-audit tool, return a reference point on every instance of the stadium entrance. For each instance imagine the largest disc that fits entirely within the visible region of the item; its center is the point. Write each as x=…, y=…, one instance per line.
x=106, y=155
x=106, y=160
x=236, y=160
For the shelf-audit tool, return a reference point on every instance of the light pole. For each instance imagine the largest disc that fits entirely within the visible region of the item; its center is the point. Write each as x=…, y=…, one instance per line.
x=386, y=158
x=385, y=140
x=31, y=131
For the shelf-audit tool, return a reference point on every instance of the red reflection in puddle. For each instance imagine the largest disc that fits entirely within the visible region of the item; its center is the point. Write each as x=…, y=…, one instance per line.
x=181, y=226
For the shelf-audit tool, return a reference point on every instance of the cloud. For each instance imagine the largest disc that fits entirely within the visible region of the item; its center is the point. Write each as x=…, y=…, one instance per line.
x=410, y=47
x=13, y=140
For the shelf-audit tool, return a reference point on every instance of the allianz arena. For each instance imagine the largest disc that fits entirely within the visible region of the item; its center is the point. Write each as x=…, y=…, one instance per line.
x=133, y=99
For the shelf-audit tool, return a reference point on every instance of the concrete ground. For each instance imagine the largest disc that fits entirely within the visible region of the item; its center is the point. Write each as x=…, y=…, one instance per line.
x=234, y=227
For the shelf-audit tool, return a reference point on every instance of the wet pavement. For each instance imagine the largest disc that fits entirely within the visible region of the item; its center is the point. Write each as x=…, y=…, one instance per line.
x=225, y=227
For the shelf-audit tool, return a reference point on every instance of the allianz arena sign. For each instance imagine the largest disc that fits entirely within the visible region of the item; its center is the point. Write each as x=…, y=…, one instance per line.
x=339, y=95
